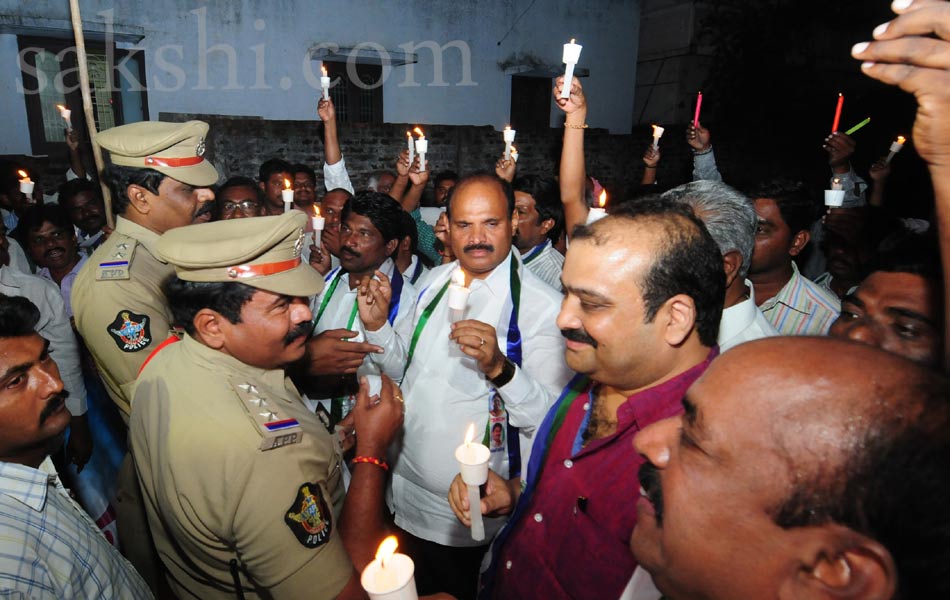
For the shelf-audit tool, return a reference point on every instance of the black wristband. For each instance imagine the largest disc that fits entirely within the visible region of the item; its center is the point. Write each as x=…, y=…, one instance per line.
x=506, y=375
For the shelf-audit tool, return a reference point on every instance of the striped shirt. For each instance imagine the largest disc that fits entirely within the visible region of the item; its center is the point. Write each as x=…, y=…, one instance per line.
x=50, y=548
x=802, y=307
x=546, y=262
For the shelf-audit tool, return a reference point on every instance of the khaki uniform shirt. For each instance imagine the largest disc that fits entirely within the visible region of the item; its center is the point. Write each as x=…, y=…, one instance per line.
x=119, y=307
x=213, y=495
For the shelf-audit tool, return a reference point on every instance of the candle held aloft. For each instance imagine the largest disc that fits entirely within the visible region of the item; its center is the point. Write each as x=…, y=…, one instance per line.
x=896, y=147
x=834, y=124
x=514, y=153
x=287, y=195
x=422, y=146
x=509, y=136
x=458, y=295
x=570, y=57
x=858, y=126
x=390, y=576
x=317, y=222
x=411, y=147
x=657, y=134
x=325, y=83
x=66, y=114
x=699, y=104
x=26, y=184
x=596, y=213
x=473, y=467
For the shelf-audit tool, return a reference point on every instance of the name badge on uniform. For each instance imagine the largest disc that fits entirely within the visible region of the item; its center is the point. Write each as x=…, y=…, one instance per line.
x=276, y=429
x=116, y=266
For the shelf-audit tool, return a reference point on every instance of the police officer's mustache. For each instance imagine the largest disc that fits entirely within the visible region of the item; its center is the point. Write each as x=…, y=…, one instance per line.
x=205, y=209
x=579, y=335
x=301, y=330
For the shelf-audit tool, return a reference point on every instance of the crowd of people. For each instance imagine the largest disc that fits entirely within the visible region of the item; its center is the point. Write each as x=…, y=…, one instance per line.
x=705, y=392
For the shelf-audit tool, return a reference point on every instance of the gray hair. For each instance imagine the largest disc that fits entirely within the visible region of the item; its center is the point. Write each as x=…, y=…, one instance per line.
x=727, y=213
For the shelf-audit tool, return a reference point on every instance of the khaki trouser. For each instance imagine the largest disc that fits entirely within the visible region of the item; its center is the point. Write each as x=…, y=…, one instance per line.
x=132, y=523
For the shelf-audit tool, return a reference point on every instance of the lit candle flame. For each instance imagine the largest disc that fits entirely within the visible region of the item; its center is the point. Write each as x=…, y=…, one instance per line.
x=507, y=127
x=572, y=40
x=23, y=174
x=408, y=134
x=514, y=151
x=654, y=129
x=419, y=132
x=901, y=139
x=323, y=69
x=386, y=550
x=602, y=201
x=61, y=107
x=286, y=184
x=458, y=278
x=470, y=434
x=836, y=181
x=316, y=210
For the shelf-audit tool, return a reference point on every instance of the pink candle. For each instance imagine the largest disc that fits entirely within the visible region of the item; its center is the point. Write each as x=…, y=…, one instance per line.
x=699, y=104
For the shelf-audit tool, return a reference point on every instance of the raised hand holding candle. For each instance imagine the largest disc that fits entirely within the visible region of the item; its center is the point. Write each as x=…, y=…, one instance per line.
x=390, y=576
x=287, y=195
x=699, y=104
x=458, y=295
x=473, y=467
x=834, y=124
x=597, y=213
x=66, y=114
x=317, y=222
x=570, y=57
x=325, y=83
x=896, y=147
x=26, y=184
x=422, y=146
x=657, y=134
x=509, y=136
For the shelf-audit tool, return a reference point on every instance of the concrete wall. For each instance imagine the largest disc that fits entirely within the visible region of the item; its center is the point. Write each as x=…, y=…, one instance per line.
x=245, y=58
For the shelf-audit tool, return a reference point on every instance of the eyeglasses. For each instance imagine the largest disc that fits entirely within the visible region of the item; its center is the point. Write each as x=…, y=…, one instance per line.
x=42, y=240
x=245, y=206
x=306, y=185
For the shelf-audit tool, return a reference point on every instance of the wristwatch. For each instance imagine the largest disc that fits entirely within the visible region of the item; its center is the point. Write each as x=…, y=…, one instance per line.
x=507, y=373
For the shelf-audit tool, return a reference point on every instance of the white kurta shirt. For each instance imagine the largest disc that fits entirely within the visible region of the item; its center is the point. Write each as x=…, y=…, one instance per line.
x=445, y=391
x=743, y=322
x=394, y=339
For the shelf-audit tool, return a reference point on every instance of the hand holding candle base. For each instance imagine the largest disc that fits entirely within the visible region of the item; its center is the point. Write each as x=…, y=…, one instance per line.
x=473, y=468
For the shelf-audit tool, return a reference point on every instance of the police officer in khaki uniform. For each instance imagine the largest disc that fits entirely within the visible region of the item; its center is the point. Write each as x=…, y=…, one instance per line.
x=242, y=482
x=159, y=180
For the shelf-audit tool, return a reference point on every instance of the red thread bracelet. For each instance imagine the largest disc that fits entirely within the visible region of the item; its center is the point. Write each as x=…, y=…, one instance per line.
x=371, y=460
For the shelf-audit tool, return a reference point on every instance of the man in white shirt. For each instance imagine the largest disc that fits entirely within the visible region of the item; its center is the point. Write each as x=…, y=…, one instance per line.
x=505, y=345
x=731, y=221
x=540, y=221
x=366, y=298
x=49, y=548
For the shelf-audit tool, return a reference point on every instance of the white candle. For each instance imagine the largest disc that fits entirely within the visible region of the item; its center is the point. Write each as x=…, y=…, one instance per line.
x=473, y=467
x=570, y=57
x=458, y=295
x=325, y=83
x=65, y=113
x=26, y=184
x=509, y=136
x=836, y=184
x=411, y=147
x=390, y=576
x=896, y=147
x=422, y=146
x=596, y=213
x=514, y=153
x=657, y=134
x=287, y=195
x=317, y=222
x=834, y=198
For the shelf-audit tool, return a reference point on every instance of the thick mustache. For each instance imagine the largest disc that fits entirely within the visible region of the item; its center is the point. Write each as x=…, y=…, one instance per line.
x=649, y=477
x=301, y=330
x=473, y=247
x=204, y=209
x=578, y=335
x=350, y=252
x=48, y=252
x=53, y=405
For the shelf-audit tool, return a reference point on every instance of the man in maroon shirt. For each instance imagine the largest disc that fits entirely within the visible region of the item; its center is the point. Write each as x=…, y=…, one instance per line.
x=644, y=292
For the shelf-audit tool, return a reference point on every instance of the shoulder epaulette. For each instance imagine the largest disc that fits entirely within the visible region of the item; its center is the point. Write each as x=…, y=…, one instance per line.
x=276, y=430
x=118, y=257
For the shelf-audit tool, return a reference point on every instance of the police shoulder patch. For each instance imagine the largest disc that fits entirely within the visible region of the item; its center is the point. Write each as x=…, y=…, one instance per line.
x=130, y=331
x=308, y=517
